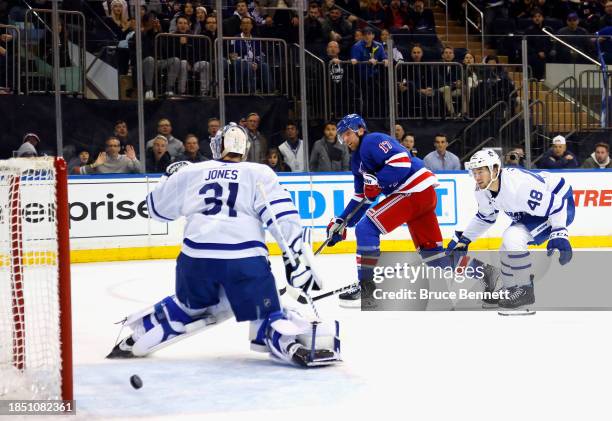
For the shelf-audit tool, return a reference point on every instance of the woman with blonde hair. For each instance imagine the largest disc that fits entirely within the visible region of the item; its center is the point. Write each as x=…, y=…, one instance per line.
x=117, y=20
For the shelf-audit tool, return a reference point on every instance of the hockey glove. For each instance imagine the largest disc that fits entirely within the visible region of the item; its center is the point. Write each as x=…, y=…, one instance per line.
x=558, y=240
x=371, y=189
x=299, y=275
x=175, y=166
x=336, y=231
x=458, y=247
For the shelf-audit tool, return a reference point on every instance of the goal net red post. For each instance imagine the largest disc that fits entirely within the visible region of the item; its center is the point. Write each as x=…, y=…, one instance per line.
x=35, y=309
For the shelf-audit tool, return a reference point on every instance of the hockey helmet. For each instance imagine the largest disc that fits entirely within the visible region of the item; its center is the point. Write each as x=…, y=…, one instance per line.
x=231, y=139
x=485, y=158
x=350, y=122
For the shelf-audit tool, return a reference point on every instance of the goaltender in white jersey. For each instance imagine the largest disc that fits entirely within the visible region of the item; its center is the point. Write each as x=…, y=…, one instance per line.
x=541, y=206
x=223, y=269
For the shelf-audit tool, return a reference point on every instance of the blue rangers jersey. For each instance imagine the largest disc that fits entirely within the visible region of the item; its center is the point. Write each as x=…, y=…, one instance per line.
x=526, y=197
x=397, y=171
x=225, y=209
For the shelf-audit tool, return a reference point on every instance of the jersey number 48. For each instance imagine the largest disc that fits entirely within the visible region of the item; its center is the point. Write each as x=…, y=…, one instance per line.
x=537, y=198
x=214, y=203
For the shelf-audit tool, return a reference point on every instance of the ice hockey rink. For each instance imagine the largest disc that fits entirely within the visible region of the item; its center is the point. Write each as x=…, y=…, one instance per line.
x=397, y=365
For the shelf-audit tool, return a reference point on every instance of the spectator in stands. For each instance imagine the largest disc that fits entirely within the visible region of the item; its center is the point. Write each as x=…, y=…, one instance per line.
x=422, y=22
x=538, y=45
x=292, y=149
x=28, y=146
x=213, y=126
x=600, y=158
x=83, y=158
x=117, y=21
x=472, y=77
x=112, y=162
x=373, y=12
x=168, y=60
x=573, y=35
x=210, y=29
x=191, y=52
x=522, y=8
x=247, y=57
x=342, y=88
x=258, y=142
x=45, y=47
x=441, y=159
x=158, y=158
x=7, y=62
x=493, y=10
x=397, y=18
x=408, y=142
x=274, y=159
x=187, y=11
x=398, y=55
x=416, y=92
x=515, y=157
x=175, y=147
x=232, y=26
x=121, y=132
x=496, y=84
x=192, y=150
x=368, y=50
x=328, y=154
x=449, y=81
x=150, y=28
x=399, y=132
x=606, y=19
x=337, y=28
x=558, y=157
x=313, y=29
x=200, y=22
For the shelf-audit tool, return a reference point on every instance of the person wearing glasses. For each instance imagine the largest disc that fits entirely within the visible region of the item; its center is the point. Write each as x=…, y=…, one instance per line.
x=112, y=162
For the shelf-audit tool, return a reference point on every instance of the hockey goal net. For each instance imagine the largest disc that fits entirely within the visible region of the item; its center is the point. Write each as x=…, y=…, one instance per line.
x=35, y=328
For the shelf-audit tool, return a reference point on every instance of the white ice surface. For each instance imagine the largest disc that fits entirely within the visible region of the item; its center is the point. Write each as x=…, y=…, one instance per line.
x=398, y=365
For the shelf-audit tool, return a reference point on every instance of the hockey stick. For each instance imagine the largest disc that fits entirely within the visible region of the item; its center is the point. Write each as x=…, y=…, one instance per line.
x=342, y=226
x=304, y=296
x=336, y=291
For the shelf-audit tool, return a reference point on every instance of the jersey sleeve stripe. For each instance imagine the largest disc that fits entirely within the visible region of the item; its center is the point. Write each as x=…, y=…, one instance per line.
x=398, y=157
x=274, y=202
x=559, y=186
x=221, y=246
x=152, y=207
x=280, y=215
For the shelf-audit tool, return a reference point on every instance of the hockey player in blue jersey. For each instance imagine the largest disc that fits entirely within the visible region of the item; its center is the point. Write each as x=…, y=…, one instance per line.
x=541, y=206
x=381, y=165
x=223, y=269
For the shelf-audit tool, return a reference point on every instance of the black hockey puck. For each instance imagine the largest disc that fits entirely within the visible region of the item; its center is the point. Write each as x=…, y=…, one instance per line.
x=136, y=381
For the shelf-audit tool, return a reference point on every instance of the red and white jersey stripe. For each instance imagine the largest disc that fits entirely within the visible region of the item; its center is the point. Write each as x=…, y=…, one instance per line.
x=418, y=181
x=401, y=160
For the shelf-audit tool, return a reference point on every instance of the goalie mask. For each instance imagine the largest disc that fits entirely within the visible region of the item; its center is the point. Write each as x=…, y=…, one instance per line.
x=231, y=139
x=485, y=158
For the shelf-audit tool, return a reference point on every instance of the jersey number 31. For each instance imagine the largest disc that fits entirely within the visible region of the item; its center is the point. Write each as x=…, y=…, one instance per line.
x=215, y=202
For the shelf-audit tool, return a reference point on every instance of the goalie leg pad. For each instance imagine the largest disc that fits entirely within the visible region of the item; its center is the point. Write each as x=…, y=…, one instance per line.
x=291, y=338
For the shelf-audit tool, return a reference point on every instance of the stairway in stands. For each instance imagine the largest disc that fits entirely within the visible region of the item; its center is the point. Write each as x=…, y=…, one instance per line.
x=560, y=115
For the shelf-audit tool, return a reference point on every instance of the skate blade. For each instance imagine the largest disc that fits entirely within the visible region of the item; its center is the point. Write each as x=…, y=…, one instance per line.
x=517, y=312
x=350, y=303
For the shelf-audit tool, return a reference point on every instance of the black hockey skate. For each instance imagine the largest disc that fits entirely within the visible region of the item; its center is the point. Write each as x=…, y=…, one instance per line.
x=123, y=349
x=306, y=358
x=489, y=281
x=353, y=298
x=520, y=298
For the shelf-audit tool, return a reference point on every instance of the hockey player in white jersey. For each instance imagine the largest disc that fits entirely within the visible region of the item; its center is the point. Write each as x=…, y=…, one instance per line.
x=223, y=267
x=541, y=206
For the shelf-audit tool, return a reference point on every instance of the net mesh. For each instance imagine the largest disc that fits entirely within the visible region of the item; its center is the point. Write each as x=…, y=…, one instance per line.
x=30, y=363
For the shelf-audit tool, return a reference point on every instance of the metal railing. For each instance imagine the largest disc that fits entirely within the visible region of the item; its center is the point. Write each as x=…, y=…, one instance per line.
x=594, y=100
x=182, y=65
x=512, y=132
x=10, y=59
x=357, y=88
x=561, y=108
x=38, y=46
x=486, y=84
x=255, y=66
x=479, y=26
x=316, y=88
x=430, y=90
x=486, y=126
